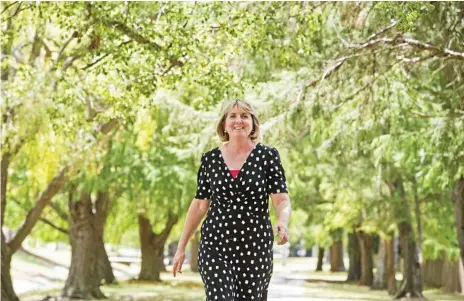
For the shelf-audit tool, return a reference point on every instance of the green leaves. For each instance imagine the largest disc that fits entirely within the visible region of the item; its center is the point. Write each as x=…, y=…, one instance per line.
x=351, y=104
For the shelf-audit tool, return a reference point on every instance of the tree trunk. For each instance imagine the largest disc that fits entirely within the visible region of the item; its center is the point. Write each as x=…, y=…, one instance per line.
x=365, y=244
x=458, y=199
x=336, y=257
x=161, y=264
x=34, y=213
x=194, y=252
x=412, y=280
x=336, y=252
x=461, y=277
x=105, y=271
x=390, y=252
x=444, y=274
x=450, y=277
x=380, y=277
x=320, y=259
x=354, y=253
x=418, y=215
x=8, y=293
x=83, y=280
x=14, y=244
x=152, y=248
x=3, y=185
x=432, y=271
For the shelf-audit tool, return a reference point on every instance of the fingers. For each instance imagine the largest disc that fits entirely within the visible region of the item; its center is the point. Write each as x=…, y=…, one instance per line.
x=177, y=267
x=284, y=236
x=174, y=269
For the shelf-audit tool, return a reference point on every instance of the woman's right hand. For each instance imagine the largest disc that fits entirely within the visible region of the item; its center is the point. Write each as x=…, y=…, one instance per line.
x=178, y=260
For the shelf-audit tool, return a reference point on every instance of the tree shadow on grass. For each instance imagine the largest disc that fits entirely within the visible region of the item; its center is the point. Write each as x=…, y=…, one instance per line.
x=134, y=290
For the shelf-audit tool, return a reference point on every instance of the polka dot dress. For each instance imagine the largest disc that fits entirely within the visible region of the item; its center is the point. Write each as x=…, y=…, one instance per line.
x=235, y=254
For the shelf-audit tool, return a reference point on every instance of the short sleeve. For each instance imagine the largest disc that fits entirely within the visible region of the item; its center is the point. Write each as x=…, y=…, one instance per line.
x=203, y=183
x=275, y=181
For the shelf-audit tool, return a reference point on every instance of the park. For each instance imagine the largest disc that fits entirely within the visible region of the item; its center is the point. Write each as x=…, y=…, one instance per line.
x=108, y=108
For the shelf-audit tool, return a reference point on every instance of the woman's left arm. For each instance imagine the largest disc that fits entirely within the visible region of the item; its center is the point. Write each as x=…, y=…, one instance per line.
x=283, y=209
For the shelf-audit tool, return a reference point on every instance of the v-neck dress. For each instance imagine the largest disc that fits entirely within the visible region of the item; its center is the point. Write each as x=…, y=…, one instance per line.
x=235, y=253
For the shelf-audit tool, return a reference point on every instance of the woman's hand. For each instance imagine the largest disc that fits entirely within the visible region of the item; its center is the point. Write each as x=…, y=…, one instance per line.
x=283, y=209
x=281, y=229
x=178, y=261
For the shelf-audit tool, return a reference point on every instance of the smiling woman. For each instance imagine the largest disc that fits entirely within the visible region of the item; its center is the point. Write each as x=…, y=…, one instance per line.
x=235, y=181
x=238, y=115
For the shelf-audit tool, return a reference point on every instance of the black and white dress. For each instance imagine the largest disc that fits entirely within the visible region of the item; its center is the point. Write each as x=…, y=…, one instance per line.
x=235, y=254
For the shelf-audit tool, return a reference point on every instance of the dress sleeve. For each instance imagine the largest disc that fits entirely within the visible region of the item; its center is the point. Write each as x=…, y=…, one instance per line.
x=276, y=181
x=203, y=183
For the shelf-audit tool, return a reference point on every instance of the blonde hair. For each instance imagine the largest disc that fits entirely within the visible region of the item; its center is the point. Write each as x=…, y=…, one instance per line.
x=245, y=106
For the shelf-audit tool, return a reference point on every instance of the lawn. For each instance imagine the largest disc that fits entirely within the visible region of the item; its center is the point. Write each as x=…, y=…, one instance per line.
x=296, y=280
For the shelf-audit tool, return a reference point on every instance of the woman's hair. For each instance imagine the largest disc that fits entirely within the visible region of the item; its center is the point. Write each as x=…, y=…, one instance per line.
x=245, y=106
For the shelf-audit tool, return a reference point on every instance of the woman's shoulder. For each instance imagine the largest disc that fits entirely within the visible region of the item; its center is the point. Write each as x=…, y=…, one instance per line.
x=210, y=153
x=268, y=148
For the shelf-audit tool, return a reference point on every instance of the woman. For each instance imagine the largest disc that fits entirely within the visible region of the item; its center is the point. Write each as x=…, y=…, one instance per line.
x=234, y=184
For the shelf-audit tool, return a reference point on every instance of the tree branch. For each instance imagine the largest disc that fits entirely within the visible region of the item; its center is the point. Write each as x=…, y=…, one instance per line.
x=36, y=45
x=8, y=6
x=34, y=214
x=108, y=126
x=62, y=230
x=96, y=62
x=60, y=54
x=131, y=33
x=17, y=11
x=404, y=41
x=6, y=159
x=4, y=182
x=380, y=32
x=45, y=197
x=69, y=61
x=44, y=259
x=105, y=56
x=59, y=211
x=172, y=220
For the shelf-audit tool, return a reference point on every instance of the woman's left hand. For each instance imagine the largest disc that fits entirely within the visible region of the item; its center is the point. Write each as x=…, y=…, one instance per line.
x=281, y=229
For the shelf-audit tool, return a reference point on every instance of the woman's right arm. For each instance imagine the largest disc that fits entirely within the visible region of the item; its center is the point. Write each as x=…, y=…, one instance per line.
x=197, y=210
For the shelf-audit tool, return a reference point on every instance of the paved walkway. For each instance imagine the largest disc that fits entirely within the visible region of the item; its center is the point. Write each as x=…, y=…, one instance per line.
x=288, y=281
x=287, y=289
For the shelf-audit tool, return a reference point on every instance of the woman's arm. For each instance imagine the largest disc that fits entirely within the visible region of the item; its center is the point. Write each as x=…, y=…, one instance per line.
x=197, y=210
x=283, y=209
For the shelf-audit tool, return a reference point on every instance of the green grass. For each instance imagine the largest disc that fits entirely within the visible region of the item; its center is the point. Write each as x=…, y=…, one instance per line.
x=349, y=291
x=191, y=289
x=187, y=287
x=165, y=291
x=320, y=286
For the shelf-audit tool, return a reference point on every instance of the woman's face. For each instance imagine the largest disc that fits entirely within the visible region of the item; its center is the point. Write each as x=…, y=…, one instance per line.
x=238, y=123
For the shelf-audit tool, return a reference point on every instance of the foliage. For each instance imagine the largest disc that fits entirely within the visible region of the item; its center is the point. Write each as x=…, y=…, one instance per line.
x=355, y=96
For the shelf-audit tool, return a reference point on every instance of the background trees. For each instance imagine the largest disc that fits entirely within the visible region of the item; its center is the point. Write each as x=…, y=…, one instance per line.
x=106, y=108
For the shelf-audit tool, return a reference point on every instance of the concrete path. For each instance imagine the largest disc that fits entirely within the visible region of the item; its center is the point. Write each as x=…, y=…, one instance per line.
x=289, y=282
x=284, y=288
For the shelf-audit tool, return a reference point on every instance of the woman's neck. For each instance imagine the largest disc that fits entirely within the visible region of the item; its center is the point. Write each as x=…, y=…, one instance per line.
x=240, y=145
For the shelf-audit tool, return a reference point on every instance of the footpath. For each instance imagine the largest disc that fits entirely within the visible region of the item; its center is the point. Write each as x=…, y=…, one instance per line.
x=32, y=274
x=289, y=282
x=34, y=280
